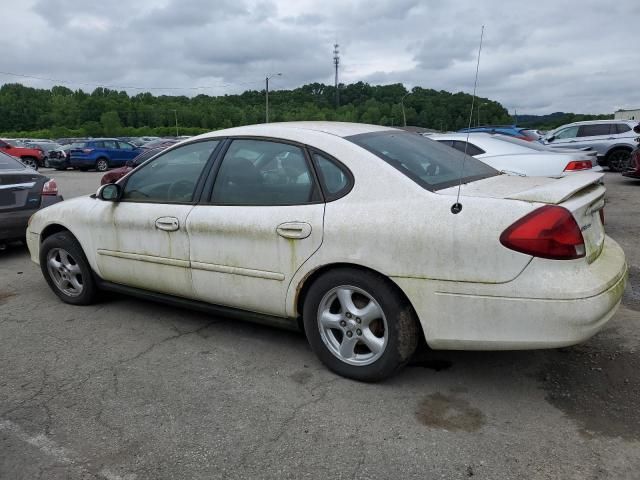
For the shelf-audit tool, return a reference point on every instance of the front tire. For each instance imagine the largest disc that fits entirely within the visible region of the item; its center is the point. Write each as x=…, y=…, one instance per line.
x=102, y=165
x=30, y=162
x=66, y=269
x=359, y=325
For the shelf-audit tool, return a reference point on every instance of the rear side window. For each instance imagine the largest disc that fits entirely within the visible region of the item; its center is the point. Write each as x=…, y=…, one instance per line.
x=262, y=172
x=112, y=144
x=622, y=128
x=431, y=165
x=594, y=130
x=75, y=145
x=336, y=180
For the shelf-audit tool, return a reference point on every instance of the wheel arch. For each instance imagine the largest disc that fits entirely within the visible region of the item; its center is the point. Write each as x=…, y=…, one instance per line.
x=52, y=229
x=620, y=146
x=302, y=289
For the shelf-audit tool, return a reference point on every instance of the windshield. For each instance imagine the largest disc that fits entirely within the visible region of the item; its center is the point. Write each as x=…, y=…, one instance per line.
x=430, y=164
x=9, y=163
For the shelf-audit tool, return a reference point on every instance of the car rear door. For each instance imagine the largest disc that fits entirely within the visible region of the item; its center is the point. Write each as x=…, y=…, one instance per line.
x=262, y=221
x=595, y=136
x=142, y=240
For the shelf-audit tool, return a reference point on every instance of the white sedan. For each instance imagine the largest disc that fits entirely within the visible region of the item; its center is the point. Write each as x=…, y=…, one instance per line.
x=515, y=156
x=354, y=233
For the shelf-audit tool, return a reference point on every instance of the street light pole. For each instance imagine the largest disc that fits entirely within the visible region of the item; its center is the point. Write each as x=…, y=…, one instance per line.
x=175, y=113
x=266, y=98
x=404, y=117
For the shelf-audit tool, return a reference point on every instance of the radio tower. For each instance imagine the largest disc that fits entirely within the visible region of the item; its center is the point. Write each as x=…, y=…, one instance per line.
x=336, y=62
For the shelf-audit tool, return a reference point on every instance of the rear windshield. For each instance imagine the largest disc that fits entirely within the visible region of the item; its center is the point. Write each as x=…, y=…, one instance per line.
x=428, y=163
x=523, y=143
x=9, y=163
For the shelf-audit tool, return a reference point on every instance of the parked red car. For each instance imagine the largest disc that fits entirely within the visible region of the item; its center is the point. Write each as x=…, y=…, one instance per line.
x=634, y=160
x=116, y=174
x=31, y=157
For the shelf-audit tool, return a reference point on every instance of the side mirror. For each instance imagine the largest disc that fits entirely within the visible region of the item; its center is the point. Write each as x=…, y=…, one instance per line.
x=550, y=139
x=111, y=192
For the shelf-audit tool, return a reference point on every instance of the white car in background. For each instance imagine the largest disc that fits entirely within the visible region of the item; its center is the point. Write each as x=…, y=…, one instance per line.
x=512, y=155
x=354, y=232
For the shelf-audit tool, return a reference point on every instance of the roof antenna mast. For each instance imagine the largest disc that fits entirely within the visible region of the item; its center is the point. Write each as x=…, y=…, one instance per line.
x=457, y=207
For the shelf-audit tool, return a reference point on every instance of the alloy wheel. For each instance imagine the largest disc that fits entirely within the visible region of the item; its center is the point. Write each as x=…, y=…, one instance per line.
x=352, y=325
x=65, y=272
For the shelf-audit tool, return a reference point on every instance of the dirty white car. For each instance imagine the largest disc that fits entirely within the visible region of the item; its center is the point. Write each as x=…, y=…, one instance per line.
x=349, y=231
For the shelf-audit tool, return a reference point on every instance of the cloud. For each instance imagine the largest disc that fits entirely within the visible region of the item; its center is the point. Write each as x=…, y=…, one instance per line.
x=537, y=57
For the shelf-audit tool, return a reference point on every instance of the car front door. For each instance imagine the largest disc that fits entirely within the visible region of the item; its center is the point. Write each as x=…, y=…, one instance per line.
x=142, y=240
x=263, y=220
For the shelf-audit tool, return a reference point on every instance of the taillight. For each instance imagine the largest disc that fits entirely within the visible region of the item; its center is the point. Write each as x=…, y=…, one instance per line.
x=87, y=150
x=548, y=232
x=50, y=188
x=578, y=165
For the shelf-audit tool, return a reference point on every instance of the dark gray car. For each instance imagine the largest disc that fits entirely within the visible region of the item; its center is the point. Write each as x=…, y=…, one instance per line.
x=613, y=140
x=23, y=191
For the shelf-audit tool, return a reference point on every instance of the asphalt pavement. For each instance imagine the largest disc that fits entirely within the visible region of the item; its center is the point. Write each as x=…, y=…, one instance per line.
x=128, y=389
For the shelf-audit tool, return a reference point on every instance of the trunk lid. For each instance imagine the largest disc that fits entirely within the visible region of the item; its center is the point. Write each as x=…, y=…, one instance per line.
x=580, y=193
x=20, y=190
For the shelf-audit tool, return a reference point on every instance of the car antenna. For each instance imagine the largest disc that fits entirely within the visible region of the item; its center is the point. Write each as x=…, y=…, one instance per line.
x=457, y=207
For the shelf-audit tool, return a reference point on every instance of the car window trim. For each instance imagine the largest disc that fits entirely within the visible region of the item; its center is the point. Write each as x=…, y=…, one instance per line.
x=201, y=179
x=317, y=194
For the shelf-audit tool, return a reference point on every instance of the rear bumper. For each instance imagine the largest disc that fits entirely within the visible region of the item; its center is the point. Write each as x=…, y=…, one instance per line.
x=565, y=303
x=58, y=162
x=632, y=174
x=13, y=225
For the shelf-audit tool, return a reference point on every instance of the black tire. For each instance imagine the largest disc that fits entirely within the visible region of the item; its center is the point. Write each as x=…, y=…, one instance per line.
x=60, y=168
x=401, y=324
x=102, y=164
x=618, y=160
x=67, y=242
x=45, y=163
x=30, y=162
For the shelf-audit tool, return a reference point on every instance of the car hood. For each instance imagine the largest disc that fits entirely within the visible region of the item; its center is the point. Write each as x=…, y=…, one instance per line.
x=529, y=189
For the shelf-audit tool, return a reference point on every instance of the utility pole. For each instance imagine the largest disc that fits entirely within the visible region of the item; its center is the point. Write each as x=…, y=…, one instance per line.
x=404, y=117
x=175, y=114
x=266, y=79
x=336, y=62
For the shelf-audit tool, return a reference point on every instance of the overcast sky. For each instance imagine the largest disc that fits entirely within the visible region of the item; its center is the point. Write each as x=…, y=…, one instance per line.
x=538, y=57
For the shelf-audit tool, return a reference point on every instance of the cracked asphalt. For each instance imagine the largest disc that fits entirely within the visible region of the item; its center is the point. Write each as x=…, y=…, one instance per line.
x=130, y=390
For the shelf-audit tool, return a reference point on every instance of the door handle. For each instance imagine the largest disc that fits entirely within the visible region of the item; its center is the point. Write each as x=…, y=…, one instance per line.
x=294, y=230
x=168, y=224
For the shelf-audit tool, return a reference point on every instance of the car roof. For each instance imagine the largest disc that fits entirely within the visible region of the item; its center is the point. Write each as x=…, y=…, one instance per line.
x=589, y=122
x=339, y=129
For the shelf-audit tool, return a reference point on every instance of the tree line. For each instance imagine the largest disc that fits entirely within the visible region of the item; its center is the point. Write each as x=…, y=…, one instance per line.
x=62, y=112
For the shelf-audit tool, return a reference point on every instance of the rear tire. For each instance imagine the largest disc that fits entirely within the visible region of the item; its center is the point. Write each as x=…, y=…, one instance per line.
x=66, y=269
x=45, y=164
x=102, y=165
x=359, y=325
x=618, y=160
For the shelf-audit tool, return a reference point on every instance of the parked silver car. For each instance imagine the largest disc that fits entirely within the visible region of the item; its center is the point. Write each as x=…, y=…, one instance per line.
x=612, y=139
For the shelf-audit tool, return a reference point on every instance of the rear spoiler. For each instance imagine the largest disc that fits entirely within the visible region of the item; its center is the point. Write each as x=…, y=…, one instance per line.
x=560, y=190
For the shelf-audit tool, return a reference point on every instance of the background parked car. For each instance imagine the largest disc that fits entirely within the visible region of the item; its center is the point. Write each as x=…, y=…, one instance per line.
x=101, y=154
x=513, y=155
x=614, y=140
x=32, y=157
x=160, y=143
x=47, y=146
x=22, y=192
x=117, y=173
x=511, y=130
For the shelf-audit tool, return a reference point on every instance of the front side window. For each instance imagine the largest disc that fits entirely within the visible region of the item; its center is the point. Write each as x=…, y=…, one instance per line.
x=594, y=130
x=570, y=132
x=261, y=172
x=125, y=146
x=430, y=164
x=171, y=177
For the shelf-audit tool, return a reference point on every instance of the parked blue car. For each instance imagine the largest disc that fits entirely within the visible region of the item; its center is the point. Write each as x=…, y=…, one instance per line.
x=101, y=154
x=511, y=130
